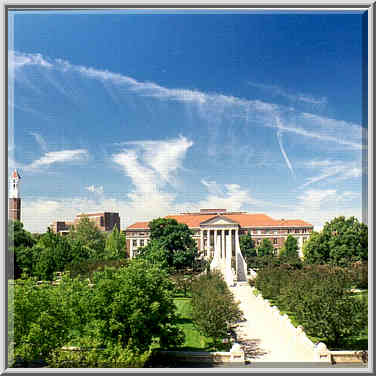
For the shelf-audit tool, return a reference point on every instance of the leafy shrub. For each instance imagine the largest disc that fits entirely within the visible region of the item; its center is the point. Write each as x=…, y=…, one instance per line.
x=90, y=354
x=320, y=298
x=214, y=310
x=122, y=312
x=270, y=280
x=323, y=304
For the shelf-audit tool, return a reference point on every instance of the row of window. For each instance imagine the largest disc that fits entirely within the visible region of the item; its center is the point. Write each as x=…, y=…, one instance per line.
x=134, y=243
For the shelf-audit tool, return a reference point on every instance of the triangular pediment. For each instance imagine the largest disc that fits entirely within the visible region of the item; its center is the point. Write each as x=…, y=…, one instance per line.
x=219, y=220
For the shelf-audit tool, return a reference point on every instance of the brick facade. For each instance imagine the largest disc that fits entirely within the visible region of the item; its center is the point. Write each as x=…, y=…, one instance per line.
x=105, y=222
x=14, y=209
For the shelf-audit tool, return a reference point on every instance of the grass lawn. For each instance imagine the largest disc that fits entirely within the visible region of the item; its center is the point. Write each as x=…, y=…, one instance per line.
x=194, y=340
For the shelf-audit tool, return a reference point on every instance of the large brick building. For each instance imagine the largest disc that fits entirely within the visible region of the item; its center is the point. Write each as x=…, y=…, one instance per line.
x=104, y=221
x=218, y=226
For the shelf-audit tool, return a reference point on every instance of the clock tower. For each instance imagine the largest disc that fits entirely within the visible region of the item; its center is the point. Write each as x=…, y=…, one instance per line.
x=14, y=204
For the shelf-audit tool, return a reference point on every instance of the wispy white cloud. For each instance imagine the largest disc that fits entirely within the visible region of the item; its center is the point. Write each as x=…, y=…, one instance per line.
x=231, y=196
x=152, y=164
x=18, y=60
x=95, y=189
x=279, y=137
x=314, y=198
x=293, y=97
x=340, y=170
x=318, y=206
x=164, y=157
x=61, y=156
x=40, y=140
x=214, y=105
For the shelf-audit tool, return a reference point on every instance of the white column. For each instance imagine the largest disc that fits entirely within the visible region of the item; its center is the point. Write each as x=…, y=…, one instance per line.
x=208, y=243
x=229, y=253
x=236, y=250
x=223, y=245
x=215, y=245
x=201, y=240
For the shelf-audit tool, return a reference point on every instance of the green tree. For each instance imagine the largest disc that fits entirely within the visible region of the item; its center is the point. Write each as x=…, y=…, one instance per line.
x=135, y=304
x=115, y=245
x=43, y=316
x=89, y=236
x=315, y=250
x=289, y=252
x=115, y=319
x=265, y=248
x=247, y=247
x=322, y=302
x=154, y=253
x=176, y=239
x=20, y=243
x=53, y=252
x=341, y=242
x=214, y=310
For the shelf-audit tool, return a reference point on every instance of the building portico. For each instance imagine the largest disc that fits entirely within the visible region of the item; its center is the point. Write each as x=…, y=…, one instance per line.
x=217, y=231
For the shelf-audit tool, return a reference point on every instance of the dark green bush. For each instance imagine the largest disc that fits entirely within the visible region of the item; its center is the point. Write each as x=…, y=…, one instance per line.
x=320, y=298
x=214, y=310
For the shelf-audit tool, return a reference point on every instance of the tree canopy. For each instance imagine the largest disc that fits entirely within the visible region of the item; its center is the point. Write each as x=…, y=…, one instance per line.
x=171, y=243
x=121, y=312
x=115, y=245
x=341, y=241
x=265, y=248
x=214, y=309
x=289, y=252
x=88, y=235
x=247, y=247
x=20, y=243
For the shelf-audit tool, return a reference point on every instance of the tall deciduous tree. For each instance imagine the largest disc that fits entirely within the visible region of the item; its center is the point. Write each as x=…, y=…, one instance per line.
x=289, y=252
x=88, y=234
x=115, y=245
x=20, y=243
x=176, y=239
x=53, y=253
x=341, y=242
x=214, y=310
x=247, y=247
x=265, y=248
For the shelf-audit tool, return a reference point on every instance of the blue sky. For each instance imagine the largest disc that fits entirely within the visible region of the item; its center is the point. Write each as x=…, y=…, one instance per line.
x=151, y=114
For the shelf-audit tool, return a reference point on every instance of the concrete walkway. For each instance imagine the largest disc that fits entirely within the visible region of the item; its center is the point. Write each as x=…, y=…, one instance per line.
x=267, y=336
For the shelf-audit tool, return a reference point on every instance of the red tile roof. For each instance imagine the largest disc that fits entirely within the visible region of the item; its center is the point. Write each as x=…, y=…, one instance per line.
x=244, y=220
x=139, y=225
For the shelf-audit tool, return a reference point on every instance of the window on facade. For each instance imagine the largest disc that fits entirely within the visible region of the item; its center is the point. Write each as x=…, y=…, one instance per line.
x=296, y=231
x=102, y=221
x=142, y=242
x=275, y=241
x=134, y=243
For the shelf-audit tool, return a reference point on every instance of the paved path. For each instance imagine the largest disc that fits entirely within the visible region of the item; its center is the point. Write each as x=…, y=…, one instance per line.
x=269, y=338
